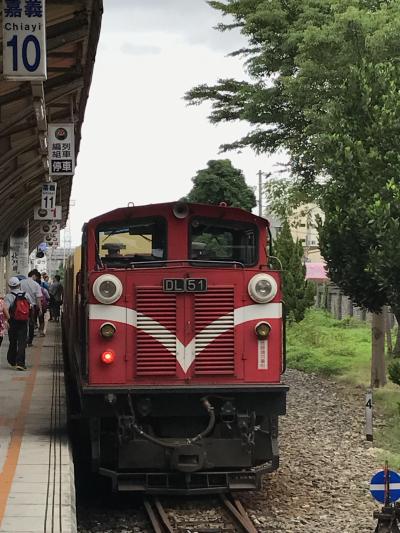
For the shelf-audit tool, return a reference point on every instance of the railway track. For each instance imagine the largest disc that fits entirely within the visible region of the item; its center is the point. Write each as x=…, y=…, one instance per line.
x=233, y=518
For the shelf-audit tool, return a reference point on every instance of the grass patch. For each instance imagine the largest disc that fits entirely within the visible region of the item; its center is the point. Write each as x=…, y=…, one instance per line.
x=327, y=346
x=342, y=348
x=388, y=437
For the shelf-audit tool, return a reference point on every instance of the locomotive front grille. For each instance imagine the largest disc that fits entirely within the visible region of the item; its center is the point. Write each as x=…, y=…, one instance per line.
x=214, y=344
x=156, y=332
x=215, y=336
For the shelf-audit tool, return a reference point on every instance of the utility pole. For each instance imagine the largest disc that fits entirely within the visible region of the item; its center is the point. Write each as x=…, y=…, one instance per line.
x=260, y=175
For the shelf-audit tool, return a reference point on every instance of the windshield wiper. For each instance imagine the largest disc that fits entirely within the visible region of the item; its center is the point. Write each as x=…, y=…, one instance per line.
x=118, y=230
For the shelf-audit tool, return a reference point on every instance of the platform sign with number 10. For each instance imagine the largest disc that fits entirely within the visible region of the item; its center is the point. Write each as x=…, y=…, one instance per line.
x=49, y=191
x=24, y=40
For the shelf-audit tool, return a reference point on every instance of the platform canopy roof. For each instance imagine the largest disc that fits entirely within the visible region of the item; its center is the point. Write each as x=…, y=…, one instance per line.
x=72, y=33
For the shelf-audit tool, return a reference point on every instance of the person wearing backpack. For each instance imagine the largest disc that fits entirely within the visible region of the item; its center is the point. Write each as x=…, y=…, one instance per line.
x=18, y=305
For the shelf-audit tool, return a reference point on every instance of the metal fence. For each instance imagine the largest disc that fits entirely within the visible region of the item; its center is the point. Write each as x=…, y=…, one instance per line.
x=329, y=297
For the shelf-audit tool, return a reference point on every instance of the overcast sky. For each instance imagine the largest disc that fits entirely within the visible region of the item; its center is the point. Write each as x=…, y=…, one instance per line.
x=141, y=143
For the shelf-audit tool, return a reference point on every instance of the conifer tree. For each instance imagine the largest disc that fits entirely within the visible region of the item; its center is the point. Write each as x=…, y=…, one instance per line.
x=298, y=294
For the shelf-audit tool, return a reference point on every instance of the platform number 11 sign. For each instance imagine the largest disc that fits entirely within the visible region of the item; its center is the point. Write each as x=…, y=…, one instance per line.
x=49, y=191
x=24, y=40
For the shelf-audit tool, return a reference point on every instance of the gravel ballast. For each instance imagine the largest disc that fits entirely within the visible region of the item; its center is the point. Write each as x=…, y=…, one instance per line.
x=322, y=485
x=326, y=463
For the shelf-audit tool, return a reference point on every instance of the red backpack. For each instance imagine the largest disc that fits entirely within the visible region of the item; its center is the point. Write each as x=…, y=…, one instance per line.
x=20, y=308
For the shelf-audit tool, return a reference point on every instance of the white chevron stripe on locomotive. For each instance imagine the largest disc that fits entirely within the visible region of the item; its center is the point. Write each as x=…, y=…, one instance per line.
x=185, y=355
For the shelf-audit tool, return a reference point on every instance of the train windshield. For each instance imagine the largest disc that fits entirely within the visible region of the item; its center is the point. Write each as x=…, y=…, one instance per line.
x=223, y=240
x=137, y=241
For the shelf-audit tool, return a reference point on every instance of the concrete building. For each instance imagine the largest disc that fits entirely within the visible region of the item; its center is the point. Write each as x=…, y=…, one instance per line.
x=56, y=259
x=275, y=224
x=303, y=223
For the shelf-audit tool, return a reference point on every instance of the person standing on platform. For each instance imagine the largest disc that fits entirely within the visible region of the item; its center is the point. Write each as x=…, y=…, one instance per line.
x=33, y=290
x=56, y=291
x=45, y=281
x=4, y=317
x=45, y=304
x=18, y=305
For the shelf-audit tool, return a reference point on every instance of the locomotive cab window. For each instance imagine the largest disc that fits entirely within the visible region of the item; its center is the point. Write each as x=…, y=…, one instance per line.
x=223, y=240
x=137, y=241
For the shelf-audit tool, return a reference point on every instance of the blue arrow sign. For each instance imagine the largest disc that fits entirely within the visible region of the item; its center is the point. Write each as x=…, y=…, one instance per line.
x=377, y=486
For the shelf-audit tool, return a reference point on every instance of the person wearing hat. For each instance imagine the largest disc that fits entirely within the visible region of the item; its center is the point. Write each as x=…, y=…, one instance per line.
x=18, y=329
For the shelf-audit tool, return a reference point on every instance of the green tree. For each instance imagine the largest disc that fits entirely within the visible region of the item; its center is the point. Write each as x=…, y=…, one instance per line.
x=284, y=195
x=362, y=201
x=221, y=182
x=394, y=372
x=325, y=80
x=302, y=58
x=298, y=294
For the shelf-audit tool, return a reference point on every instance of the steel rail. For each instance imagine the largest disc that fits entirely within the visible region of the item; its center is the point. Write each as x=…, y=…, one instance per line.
x=158, y=517
x=163, y=516
x=237, y=510
x=153, y=517
x=161, y=524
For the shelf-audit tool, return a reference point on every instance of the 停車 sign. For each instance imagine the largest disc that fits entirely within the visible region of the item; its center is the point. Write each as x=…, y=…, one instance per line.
x=61, y=142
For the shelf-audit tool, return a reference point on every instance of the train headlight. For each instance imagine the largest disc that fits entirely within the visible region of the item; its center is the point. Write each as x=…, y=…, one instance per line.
x=263, y=329
x=262, y=288
x=107, y=330
x=107, y=289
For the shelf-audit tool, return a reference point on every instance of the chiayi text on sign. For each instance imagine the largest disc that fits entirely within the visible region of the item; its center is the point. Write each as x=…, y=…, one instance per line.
x=24, y=40
x=61, y=149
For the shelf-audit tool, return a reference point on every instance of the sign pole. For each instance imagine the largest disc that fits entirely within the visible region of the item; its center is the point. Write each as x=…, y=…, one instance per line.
x=385, y=488
x=387, y=484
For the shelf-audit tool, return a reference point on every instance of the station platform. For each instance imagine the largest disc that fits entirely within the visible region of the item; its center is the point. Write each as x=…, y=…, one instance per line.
x=37, y=491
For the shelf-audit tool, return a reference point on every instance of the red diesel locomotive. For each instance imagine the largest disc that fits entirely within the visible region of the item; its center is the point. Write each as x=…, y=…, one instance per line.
x=174, y=341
